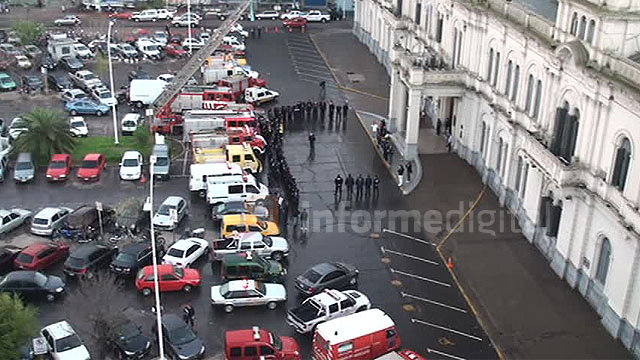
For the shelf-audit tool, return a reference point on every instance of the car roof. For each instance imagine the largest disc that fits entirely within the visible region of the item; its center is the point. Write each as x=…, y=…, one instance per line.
x=329, y=296
x=75, y=91
x=21, y=275
x=57, y=157
x=162, y=268
x=241, y=337
x=34, y=249
x=131, y=154
x=47, y=212
x=60, y=329
x=324, y=268
x=172, y=200
x=240, y=218
x=239, y=258
x=86, y=249
x=184, y=244
x=131, y=116
x=4, y=212
x=76, y=118
x=238, y=285
x=135, y=248
x=172, y=321
x=251, y=236
x=342, y=329
x=92, y=156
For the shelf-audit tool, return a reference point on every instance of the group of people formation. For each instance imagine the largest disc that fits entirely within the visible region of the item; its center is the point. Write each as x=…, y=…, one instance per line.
x=310, y=110
x=383, y=139
x=366, y=187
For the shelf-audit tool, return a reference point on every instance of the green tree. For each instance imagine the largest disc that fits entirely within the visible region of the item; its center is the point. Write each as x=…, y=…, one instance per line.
x=28, y=31
x=18, y=324
x=48, y=134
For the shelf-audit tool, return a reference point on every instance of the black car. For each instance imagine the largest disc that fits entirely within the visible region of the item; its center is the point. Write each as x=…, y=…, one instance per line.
x=98, y=45
x=7, y=255
x=71, y=63
x=131, y=258
x=59, y=82
x=128, y=341
x=228, y=208
x=32, y=82
x=48, y=63
x=88, y=258
x=32, y=284
x=336, y=275
x=179, y=339
x=138, y=75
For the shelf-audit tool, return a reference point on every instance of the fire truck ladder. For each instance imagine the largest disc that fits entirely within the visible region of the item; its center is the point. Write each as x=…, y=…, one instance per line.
x=183, y=76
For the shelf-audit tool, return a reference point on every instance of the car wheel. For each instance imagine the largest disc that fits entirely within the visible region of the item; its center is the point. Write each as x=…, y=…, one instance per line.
x=362, y=308
x=353, y=281
x=277, y=256
x=146, y=292
x=73, y=112
x=176, y=25
x=222, y=17
x=187, y=288
x=228, y=308
x=50, y=297
x=323, y=21
x=98, y=113
x=271, y=305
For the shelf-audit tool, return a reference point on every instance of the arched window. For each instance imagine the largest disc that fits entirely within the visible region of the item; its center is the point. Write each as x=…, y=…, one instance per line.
x=499, y=163
x=490, y=70
x=603, y=262
x=516, y=83
x=536, y=105
x=621, y=164
x=529, y=100
x=482, y=137
x=507, y=85
x=590, y=31
x=583, y=27
x=574, y=24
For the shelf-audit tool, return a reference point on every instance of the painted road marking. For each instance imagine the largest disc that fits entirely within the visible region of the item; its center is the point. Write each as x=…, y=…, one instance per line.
x=429, y=350
x=446, y=329
x=432, y=302
x=408, y=237
x=302, y=63
x=330, y=87
x=305, y=52
x=420, y=277
x=314, y=76
x=298, y=60
x=316, y=70
x=384, y=251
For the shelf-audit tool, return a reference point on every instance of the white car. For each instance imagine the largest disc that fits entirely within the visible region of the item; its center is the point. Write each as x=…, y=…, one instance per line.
x=63, y=343
x=127, y=51
x=103, y=95
x=162, y=219
x=185, y=19
x=71, y=95
x=23, y=62
x=269, y=14
x=166, y=77
x=149, y=49
x=130, y=123
x=293, y=14
x=193, y=43
x=78, y=127
x=185, y=252
x=82, y=51
x=258, y=95
x=160, y=37
x=237, y=28
x=131, y=165
x=85, y=79
x=13, y=218
x=235, y=43
x=317, y=16
x=47, y=220
x=145, y=15
x=238, y=293
x=17, y=127
x=165, y=14
x=67, y=21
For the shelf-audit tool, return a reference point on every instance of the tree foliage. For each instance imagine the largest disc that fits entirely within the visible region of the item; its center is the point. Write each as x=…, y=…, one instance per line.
x=28, y=31
x=48, y=134
x=17, y=325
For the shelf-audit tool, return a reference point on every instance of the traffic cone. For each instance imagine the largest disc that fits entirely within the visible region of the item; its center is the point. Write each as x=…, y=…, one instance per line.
x=449, y=263
x=277, y=29
x=143, y=179
x=266, y=29
x=289, y=28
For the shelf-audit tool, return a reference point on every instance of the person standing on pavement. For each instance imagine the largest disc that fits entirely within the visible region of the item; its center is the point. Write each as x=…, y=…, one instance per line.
x=338, y=182
x=189, y=315
x=252, y=32
x=400, y=175
x=345, y=110
x=449, y=142
x=312, y=140
x=438, y=126
x=409, y=170
x=304, y=222
x=338, y=113
x=390, y=151
x=376, y=187
x=331, y=108
x=349, y=183
x=359, y=185
x=259, y=31
x=368, y=182
x=323, y=108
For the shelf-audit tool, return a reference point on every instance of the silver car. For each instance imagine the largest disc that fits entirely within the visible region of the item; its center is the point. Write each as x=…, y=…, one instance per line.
x=238, y=293
x=13, y=218
x=24, y=170
x=48, y=220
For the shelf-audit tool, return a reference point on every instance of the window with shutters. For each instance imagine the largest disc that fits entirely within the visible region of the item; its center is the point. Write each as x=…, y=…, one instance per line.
x=516, y=83
x=574, y=24
x=507, y=85
x=490, y=69
x=604, y=260
x=583, y=27
x=590, y=31
x=529, y=99
x=621, y=164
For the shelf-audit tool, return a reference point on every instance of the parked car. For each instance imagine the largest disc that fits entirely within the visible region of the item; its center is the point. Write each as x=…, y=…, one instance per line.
x=295, y=23
x=63, y=342
x=185, y=252
x=127, y=340
x=250, y=265
x=83, y=223
x=293, y=14
x=82, y=51
x=126, y=51
x=87, y=259
x=9, y=49
x=8, y=254
x=25, y=170
x=7, y=83
x=132, y=257
x=172, y=278
x=131, y=165
x=68, y=20
x=130, y=123
x=268, y=14
x=259, y=95
x=103, y=95
x=185, y=19
x=86, y=107
x=85, y=79
x=239, y=293
x=12, y=219
x=335, y=275
x=260, y=342
x=59, y=82
x=317, y=16
x=49, y=63
x=78, y=127
x=59, y=167
x=237, y=28
x=160, y=37
x=92, y=167
x=228, y=208
x=73, y=95
x=71, y=63
x=33, y=285
x=32, y=52
x=49, y=219
x=179, y=339
x=192, y=43
x=162, y=219
x=32, y=82
x=123, y=15
x=40, y=256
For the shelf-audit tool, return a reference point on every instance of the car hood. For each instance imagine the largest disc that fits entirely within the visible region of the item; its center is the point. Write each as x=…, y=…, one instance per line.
x=190, y=349
x=134, y=344
x=54, y=282
x=82, y=172
x=215, y=294
x=279, y=243
x=122, y=264
x=276, y=268
x=56, y=172
x=130, y=170
x=79, y=352
x=162, y=219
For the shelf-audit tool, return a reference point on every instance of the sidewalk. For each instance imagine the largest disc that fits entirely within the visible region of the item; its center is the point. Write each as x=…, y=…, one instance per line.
x=525, y=308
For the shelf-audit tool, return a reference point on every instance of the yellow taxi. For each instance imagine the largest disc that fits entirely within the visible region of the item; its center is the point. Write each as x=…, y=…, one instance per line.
x=243, y=223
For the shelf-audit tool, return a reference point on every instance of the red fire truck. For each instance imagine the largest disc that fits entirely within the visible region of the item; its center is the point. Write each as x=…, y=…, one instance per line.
x=238, y=83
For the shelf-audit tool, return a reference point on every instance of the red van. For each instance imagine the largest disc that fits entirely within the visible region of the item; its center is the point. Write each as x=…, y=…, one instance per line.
x=401, y=355
x=259, y=343
x=361, y=336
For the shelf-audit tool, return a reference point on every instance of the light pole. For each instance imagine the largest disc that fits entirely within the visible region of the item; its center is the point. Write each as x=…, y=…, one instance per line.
x=113, y=107
x=154, y=255
x=189, y=25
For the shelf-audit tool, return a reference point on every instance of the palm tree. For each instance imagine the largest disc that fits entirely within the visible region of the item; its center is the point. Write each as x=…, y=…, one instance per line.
x=48, y=134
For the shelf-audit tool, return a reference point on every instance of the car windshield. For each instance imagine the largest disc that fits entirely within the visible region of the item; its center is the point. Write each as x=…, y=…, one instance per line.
x=90, y=77
x=77, y=124
x=224, y=290
x=181, y=335
x=40, y=221
x=57, y=165
x=40, y=279
x=6, y=80
x=276, y=342
x=18, y=124
x=24, y=166
x=267, y=240
x=129, y=123
x=126, y=258
x=76, y=262
x=162, y=161
x=175, y=253
x=90, y=164
x=82, y=48
x=177, y=47
x=24, y=258
x=130, y=162
x=312, y=275
x=67, y=343
x=104, y=95
x=164, y=209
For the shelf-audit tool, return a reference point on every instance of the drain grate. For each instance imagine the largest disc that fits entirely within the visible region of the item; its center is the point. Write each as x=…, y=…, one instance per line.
x=355, y=78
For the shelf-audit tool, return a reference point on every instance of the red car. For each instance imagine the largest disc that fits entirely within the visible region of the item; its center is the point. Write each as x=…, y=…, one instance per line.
x=259, y=342
x=176, y=50
x=171, y=278
x=126, y=15
x=91, y=168
x=295, y=23
x=41, y=256
x=59, y=167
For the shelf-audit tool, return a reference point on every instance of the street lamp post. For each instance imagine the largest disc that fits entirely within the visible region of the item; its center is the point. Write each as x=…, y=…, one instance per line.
x=113, y=107
x=152, y=162
x=189, y=25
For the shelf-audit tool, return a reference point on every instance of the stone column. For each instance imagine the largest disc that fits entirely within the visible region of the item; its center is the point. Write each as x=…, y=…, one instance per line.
x=396, y=100
x=412, y=122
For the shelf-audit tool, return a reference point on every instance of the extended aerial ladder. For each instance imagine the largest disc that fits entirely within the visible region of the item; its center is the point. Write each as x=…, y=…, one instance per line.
x=162, y=105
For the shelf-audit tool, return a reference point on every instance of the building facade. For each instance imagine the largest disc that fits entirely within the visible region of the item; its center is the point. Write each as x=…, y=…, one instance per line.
x=546, y=107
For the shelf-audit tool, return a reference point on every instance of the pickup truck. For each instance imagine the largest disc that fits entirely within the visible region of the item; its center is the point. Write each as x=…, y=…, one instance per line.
x=316, y=15
x=273, y=247
x=85, y=79
x=293, y=14
x=327, y=305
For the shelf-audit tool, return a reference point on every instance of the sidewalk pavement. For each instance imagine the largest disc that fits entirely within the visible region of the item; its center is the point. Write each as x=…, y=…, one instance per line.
x=524, y=307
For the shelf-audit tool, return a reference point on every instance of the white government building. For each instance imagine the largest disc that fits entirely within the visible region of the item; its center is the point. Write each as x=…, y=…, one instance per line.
x=544, y=101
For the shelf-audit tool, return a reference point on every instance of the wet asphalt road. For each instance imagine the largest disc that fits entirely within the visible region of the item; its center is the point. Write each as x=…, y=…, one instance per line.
x=406, y=272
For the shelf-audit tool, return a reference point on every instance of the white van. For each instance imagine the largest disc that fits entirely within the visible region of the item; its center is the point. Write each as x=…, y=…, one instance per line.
x=258, y=95
x=148, y=49
x=146, y=15
x=234, y=43
x=242, y=191
x=130, y=123
x=201, y=172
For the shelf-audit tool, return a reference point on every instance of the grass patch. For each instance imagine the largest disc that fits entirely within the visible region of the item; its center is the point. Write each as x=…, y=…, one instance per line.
x=104, y=145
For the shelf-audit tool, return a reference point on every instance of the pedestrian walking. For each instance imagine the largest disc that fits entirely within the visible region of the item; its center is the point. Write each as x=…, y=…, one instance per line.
x=345, y=110
x=323, y=109
x=449, y=142
x=438, y=126
x=359, y=185
x=312, y=140
x=400, y=175
x=376, y=186
x=368, y=183
x=349, y=183
x=189, y=315
x=252, y=32
x=409, y=167
x=331, y=108
x=338, y=182
x=390, y=151
x=259, y=31
x=304, y=221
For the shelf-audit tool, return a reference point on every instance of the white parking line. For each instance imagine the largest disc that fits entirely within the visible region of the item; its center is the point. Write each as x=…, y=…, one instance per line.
x=309, y=64
x=446, y=329
x=408, y=237
x=419, y=277
x=384, y=251
x=301, y=59
x=433, y=302
x=305, y=50
x=429, y=350
x=315, y=76
x=312, y=70
x=301, y=44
